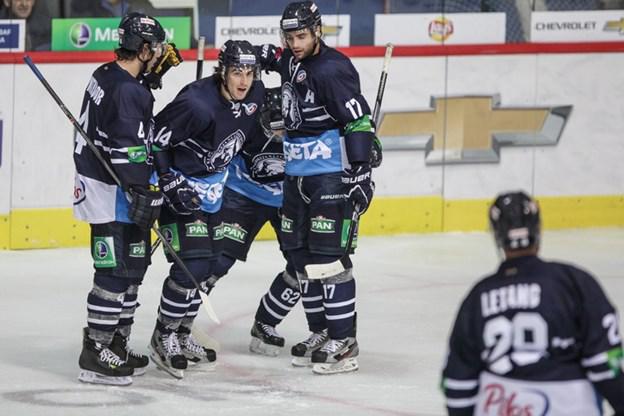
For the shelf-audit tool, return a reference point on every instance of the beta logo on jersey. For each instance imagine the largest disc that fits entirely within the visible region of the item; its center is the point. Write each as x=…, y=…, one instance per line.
x=170, y=232
x=267, y=165
x=322, y=225
x=290, y=107
x=499, y=401
x=104, y=252
x=312, y=150
x=219, y=159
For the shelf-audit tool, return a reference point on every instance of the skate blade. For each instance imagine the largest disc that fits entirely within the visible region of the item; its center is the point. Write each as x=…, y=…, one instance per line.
x=139, y=371
x=92, y=377
x=179, y=374
x=344, y=366
x=259, y=347
x=301, y=362
x=202, y=365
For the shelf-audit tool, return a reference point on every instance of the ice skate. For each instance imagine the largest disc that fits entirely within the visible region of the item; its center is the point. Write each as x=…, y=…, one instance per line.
x=166, y=353
x=302, y=352
x=135, y=360
x=194, y=352
x=265, y=340
x=336, y=356
x=99, y=365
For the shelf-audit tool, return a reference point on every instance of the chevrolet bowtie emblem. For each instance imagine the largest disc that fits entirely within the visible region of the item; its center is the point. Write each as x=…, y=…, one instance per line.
x=470, y=129
x=615, y=26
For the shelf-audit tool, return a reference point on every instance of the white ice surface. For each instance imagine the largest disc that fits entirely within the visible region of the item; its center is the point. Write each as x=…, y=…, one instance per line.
x=409, y=288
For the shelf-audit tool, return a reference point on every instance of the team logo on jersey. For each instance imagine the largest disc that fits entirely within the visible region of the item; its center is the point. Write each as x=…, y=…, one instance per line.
x=301, y=76
x=79, y=191
x=322, y=225
x=170, y=232
x=250, y=108
x=266, y=165
x=290, y=107
x=499, y=401
x=196, y=229
x=219, y=159
x=137, y=249
x=104, y=252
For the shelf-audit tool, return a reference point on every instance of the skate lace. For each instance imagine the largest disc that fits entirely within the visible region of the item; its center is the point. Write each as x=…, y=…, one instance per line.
x=171, y=344
x=133, y=353
x=191, y=345
x=334, y=345
x=316, y=339
x=269, y=330
x=109, y=357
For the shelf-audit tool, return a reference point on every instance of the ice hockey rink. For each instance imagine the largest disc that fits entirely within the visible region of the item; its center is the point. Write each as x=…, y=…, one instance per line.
x=409, y=288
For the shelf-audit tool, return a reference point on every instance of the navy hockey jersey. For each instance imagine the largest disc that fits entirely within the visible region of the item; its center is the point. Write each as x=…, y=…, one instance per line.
x=117, y=116
x=203, y=131
x=258, y=171
x=320, y=97
x=535, y=338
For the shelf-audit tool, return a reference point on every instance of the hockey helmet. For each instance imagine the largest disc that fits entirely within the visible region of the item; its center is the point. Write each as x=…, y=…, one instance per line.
x=300, y=15
x=238, y=54
x=271, y=113
x=515, y=221
x=136, y=29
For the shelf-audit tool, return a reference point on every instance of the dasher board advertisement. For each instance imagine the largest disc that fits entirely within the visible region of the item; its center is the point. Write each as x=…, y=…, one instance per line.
x=12, y=35
x=577, y=26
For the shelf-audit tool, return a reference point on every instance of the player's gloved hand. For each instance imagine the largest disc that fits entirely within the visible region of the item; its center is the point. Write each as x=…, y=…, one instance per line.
x=180, y=197
x=268, y=55
x=171, y=57
x=361, y=187
x=376, y=153
x=145, y=206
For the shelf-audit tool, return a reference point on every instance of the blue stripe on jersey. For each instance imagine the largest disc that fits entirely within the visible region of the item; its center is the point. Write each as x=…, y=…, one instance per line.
x=307, y=156
x=122, y=205
x=270, y=194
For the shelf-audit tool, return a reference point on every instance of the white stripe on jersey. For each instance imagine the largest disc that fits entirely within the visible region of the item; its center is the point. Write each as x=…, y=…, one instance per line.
x=453, y=384
x=271, y=311
x=313, y=310
x=102, y=308
x=339, y=304
x=602, y=376
x=338, y=317
x=458, y=403
x=278, y=303
x=312, y=298
x=597, y=359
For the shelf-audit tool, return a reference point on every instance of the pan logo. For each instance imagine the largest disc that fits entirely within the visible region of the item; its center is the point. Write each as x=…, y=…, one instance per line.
x=80, y=35
x=471, y=129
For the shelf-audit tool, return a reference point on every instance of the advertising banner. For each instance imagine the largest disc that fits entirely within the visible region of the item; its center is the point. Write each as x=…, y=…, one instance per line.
x=577, y=26
x=265, y=29
x=100, y=34
x=436, y=29
x=12, y=35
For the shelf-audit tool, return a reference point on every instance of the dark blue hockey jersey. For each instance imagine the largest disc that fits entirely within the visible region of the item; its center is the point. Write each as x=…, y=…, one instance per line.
x=117, y=116
x=535, y=338
x=258, y=171
x=326, y=117
x=202, y=132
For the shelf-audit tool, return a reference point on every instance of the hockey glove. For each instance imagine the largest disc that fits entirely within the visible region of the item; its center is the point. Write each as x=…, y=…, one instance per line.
x=361, y=187
x=376, y=153
x=144, y=207
x=170, y=58
x=180, y=197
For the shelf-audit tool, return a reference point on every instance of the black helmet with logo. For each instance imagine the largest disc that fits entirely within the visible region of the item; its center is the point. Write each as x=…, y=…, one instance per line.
x=136, y=29
x=515, y=221
x=238, y=54
x=300, y=15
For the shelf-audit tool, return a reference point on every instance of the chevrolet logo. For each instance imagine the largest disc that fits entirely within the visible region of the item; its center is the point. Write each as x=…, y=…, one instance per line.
x=331, y=30
x=614, y=26
x=470, y=129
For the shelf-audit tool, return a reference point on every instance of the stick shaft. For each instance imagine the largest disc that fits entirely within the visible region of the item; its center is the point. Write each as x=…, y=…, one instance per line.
x=382, y=83
x=200, y=58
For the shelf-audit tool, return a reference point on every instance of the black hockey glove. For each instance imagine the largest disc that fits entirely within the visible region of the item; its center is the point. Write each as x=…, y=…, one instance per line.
x=376, y=153
x=170, y=58
x=361, y=187
x=144, y=207
x=180, y=197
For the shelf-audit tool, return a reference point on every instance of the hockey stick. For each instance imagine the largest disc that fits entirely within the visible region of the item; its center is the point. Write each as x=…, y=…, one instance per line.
x=113, y=175
x=322, y=271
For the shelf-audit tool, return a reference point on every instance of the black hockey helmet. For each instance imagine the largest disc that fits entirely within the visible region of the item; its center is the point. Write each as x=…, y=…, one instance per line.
x=136, y=29
x=515, y=221
x=300, y=15
x=271, y=113
x=239, y=54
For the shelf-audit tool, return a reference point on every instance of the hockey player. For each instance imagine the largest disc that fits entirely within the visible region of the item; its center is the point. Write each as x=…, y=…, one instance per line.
x=117, y=116
x=536, y=337
x=198, y=135
x=328, y=176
